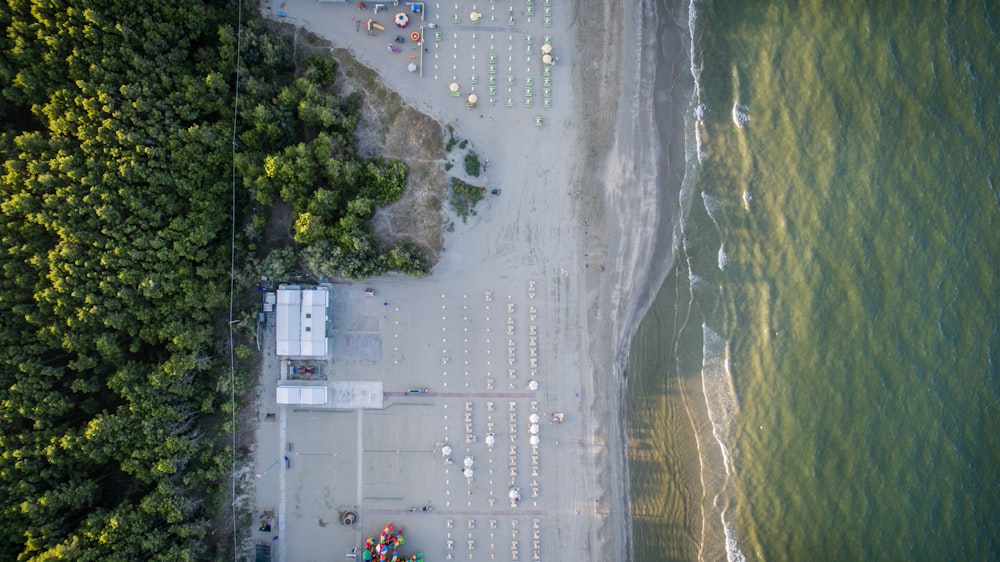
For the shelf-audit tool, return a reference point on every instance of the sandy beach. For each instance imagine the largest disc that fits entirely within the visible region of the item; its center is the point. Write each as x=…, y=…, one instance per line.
x=527, y=314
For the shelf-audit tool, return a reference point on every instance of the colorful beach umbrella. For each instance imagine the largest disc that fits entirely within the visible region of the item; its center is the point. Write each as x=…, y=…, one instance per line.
x=402, y=20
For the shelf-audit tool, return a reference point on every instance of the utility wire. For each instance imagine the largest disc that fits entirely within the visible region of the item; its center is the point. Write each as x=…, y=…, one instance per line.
x=232, y=275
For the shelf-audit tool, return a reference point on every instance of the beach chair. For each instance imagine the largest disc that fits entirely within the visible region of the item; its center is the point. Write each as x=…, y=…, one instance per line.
x=456, y=19
x=528, y=81
x=547, y=72
x=492, y=91
x=547, y=38
x=529, y=3
x=530, y=11
x=492, y=69
x=474, y=78
x=492, y=80
x=528, y=38
x=456, y=94
x=548, y=11
x=527, y=50
x=546, y=92
x=547, y=22
x=493, y=58
x=547, y=82
x=529, y=102
x=529, y=92
x=538, y=121
x=510, y=102
x=438, y=36
x=511, y=22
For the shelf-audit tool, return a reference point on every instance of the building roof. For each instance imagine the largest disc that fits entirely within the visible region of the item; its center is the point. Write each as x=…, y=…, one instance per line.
x=300, y=322
x=312, y=395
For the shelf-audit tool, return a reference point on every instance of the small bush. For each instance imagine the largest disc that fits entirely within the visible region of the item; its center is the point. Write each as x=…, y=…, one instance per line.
x=472, y=165
x=464, y=198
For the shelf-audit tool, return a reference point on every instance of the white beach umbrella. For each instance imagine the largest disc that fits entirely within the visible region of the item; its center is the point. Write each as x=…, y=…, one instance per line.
x=453, y=86
x=533, y=418
x=445, y=451
x=533, y=429
x=490, y=440
x=473, y=98
x=532, y=385
x=412, y=67
x=468, y=462
x=534, y=440
x=468, y=473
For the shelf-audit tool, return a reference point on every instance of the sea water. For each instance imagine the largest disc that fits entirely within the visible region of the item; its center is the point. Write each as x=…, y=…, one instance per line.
x=817, y=378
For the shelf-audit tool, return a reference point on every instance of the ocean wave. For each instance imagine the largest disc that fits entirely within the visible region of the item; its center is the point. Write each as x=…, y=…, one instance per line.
x=723, y=407
x=713, y=204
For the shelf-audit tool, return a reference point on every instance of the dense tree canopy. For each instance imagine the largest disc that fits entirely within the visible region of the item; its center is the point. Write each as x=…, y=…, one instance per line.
x=115, y=153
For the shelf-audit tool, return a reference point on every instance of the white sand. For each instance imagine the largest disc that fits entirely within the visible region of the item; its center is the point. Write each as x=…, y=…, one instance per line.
x=558, y=251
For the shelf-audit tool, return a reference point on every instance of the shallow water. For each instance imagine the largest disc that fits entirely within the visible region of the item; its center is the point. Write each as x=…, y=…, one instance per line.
x=818, y=378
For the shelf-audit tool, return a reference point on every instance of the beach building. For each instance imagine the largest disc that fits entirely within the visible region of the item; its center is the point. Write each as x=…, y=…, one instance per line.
x=302, y=395
x=300, y=321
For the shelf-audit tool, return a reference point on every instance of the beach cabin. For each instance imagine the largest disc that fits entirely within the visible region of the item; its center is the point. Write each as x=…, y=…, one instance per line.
x=302, y=395
x=301, y=320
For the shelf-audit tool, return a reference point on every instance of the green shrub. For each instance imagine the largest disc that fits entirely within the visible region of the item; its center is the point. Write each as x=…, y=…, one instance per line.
x=472, y=165
x=464, y=198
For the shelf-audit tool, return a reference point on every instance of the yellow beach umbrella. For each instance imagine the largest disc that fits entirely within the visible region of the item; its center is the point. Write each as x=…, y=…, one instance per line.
x=473, y=98
x=547, y=58
x=474, y=16
x=546, y=49
x=453, y=87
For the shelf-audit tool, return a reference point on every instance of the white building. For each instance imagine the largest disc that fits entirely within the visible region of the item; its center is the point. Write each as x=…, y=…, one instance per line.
x=302, y=395
x=300, y=323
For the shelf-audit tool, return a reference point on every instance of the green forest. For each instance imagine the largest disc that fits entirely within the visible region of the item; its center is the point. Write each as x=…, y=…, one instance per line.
x=117, y=128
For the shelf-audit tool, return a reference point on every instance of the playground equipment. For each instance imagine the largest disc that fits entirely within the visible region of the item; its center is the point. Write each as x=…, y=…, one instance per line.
x=373, y=25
